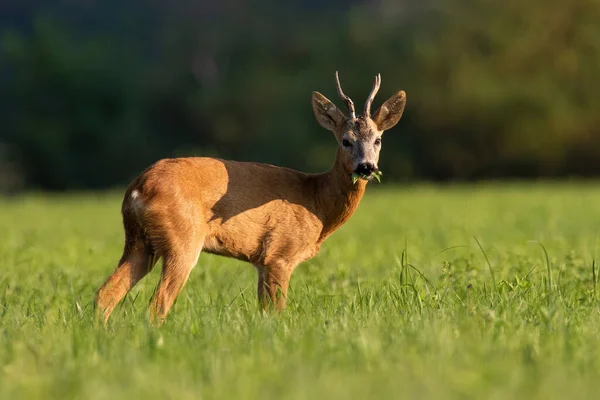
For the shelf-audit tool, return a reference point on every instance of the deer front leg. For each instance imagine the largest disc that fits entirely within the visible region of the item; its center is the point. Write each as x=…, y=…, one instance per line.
x=273, y=283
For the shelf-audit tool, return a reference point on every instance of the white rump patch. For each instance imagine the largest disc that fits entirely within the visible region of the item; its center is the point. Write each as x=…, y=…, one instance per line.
x=136, y=202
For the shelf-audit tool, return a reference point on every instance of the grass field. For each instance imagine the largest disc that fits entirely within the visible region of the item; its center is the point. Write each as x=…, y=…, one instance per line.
x=401, y=303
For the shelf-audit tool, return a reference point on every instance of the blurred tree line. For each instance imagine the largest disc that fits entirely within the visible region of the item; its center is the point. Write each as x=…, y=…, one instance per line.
x=92, y=92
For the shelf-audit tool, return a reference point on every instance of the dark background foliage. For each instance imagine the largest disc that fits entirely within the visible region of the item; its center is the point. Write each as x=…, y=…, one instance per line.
x=91, y=92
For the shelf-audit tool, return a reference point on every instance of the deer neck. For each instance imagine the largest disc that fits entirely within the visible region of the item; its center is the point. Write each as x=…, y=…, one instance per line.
x=337, y=196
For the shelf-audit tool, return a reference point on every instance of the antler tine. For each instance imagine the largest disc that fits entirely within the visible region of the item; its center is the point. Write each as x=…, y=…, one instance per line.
x=346, y=99
x=372, y=95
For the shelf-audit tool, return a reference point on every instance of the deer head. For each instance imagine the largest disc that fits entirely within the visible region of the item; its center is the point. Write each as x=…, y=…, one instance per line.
x=359, y=137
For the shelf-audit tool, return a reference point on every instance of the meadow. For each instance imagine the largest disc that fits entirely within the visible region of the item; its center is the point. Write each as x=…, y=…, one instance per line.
x=457, y=292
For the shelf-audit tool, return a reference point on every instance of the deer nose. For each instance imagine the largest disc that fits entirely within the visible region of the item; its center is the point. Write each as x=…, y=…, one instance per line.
x=366, y=168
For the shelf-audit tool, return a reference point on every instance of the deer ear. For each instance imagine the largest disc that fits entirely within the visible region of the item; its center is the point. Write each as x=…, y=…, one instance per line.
x=390, y=112
x=326, y=113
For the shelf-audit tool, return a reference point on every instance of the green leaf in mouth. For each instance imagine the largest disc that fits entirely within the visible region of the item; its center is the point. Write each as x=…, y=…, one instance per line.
x=377, y=175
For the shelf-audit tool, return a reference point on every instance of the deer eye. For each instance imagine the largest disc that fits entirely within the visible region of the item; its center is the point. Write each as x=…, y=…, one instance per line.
x=377, y=141
x=346, y=143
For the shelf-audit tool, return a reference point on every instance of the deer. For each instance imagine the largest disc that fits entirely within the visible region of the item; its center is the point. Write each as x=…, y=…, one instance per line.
x=272, y=217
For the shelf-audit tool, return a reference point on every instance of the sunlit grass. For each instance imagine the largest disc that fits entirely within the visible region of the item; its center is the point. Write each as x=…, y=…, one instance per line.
x=426, y=293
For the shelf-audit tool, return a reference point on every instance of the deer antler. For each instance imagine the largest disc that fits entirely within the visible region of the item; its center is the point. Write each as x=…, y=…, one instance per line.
x=372, y=95
x=346, y=99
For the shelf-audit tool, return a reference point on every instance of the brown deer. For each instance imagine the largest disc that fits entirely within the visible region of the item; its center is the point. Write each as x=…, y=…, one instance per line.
x=272, y=217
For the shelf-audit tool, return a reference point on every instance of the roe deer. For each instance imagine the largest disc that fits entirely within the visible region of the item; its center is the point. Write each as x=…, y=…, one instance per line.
x=272, y=217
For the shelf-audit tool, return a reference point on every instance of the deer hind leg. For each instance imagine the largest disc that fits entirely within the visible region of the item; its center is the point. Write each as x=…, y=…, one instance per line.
x=177, y=265
x=273, y=283
x=137, y=261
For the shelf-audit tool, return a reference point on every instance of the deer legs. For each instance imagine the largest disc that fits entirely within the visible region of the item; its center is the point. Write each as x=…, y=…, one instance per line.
x=273, y=282
x=175, y=272
x=137, y=261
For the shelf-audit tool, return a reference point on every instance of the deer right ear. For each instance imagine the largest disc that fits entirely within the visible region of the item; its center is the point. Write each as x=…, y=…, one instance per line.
x=326, y=113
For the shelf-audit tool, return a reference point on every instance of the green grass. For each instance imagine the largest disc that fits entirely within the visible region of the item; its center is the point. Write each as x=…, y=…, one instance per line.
x=400, y=303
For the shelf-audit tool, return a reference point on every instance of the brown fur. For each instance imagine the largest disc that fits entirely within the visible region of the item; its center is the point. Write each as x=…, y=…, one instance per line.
x=272, y=217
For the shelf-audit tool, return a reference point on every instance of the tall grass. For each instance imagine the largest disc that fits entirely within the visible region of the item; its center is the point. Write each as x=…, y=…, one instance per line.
x=487, y=291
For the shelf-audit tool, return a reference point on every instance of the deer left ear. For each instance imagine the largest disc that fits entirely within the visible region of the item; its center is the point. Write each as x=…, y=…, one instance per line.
x=390, y=112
